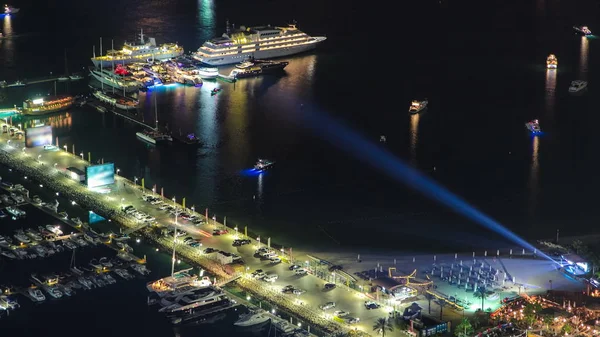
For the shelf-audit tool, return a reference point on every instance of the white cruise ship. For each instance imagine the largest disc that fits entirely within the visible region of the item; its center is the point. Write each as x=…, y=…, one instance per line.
x=256, y=43
x=139, y=52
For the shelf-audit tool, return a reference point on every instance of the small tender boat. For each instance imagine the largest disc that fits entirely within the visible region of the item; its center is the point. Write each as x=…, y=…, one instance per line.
x=215, y=91
x=94, y=263
x=63, y=215
x=418, y=106
x=577, y=86
x=583, y=30
x=551, y=62
x=104, y=261
x=533, y=126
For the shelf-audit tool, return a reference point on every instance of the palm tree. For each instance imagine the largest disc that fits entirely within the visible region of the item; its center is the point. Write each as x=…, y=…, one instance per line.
x=429, y=297
x=480, y=293
x=442, y=305
x=383, y=325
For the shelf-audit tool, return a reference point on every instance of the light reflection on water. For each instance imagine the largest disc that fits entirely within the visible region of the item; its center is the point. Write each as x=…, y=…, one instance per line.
x=550, y=94
x=414, y=137
x=534, y=176
x=583, y=58
x=7, y=44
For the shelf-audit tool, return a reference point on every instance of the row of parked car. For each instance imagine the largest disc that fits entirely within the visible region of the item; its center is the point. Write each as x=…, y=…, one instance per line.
x=179, y=212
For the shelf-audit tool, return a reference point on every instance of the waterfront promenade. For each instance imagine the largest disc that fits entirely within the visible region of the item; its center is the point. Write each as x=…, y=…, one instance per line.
x=49, y=169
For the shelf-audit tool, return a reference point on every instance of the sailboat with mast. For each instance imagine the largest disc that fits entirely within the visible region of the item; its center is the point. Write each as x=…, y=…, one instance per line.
x=48, y=104
x=154, y=136
x=118, y=79
x=120, y=101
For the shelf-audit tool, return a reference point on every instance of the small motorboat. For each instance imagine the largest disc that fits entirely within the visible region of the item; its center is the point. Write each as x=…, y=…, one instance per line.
x=417, y=106
x=104, y=261
x=215, y=91
x=551, y=62
x=94, y=263
x=63, y=215
x=577, y=86
x=534, y=127
x=583, y=30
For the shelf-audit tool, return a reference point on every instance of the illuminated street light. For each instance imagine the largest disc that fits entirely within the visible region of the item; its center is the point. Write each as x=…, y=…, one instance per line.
x=81, y=154
x=65, y=147
x=118, y=170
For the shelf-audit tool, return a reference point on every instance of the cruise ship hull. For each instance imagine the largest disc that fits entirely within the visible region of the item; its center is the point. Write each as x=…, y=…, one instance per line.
x=259, y=54
x=109, y=63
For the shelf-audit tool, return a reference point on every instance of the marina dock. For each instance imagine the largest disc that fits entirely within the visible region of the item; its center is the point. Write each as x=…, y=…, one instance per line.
x=59, y=78
x=38, y=164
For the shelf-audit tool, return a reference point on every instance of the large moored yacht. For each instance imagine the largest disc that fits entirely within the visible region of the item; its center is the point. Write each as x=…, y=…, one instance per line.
x=255, y=42
x=139, y=52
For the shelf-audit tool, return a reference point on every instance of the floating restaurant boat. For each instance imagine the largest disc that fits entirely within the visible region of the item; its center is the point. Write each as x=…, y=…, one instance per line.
x=417, y=106
x=48, y=104
x=256, y=67
x=551, y=62
x=139, y=52
x=255, y=43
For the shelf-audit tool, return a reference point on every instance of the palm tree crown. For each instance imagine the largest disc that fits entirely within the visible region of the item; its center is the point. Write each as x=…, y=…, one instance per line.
x=383, y=325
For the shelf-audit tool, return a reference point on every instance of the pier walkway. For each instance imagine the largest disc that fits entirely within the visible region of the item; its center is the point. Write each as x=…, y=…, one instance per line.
x=50, y=167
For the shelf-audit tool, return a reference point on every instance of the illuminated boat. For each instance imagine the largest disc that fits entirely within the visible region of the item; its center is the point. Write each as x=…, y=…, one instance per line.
x=533, y=126
x=583, y=30
x=256, y=67
x=139, y=52
x=551, y=62
x=208, y=73
x=48, y=104
x=263, y=164
x=215, y=91
x=120, y=79
x=154, y=136
x=10, y=10
x=417, y=106
x=255, y=43
x=577, y=86
x=121, y=102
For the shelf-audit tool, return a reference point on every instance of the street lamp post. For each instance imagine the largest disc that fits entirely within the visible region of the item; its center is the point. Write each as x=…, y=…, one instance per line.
x=65, y=147
x=193, y=209
x=214, y=220
x=118, y=170
x=236, y=231
x=135, y=181
x=81, y=154
x=258, y=239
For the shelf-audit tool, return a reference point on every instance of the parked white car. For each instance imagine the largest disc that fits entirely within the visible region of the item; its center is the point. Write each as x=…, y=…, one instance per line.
x=270, y=278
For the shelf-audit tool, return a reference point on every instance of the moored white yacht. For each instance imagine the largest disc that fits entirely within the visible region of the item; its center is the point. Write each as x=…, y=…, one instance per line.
x=54, y=229
x=208, y=73
x=577, y=86
x=253, y=318
x=139, y=51
x=417, y=106
x=583, y=30
x=255, y=43
x=121, y=82
x=36, y=294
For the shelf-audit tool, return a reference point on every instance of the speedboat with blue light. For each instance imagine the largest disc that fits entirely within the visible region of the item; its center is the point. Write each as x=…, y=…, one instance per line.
x=551, y=62
x=417, y=106
x=577, y=86
x=263, y=164
x=10, y=10
x=533, y=126
x=583, y=30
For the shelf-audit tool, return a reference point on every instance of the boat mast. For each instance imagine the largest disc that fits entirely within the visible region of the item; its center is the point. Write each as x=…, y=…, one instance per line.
x=112, y=46
x=54, y=88
x=174, y=242
x=101, y=74
x=66, y=65
x=156, y=123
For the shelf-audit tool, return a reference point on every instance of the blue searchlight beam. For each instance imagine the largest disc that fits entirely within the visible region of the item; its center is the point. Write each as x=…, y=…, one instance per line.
x=353, y=143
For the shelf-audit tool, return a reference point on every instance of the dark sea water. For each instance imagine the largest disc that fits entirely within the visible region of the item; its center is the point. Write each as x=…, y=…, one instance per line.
x=482, y=70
